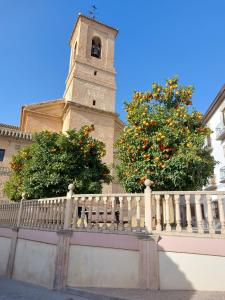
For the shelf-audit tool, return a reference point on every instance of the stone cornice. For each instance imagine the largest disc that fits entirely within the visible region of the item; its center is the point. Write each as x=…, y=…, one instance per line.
x=81, y=16
x=9, y=126
x=15, y=134
x=90, y=109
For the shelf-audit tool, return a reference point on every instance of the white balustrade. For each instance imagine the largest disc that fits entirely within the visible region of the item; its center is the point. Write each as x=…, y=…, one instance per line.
x=183, y=212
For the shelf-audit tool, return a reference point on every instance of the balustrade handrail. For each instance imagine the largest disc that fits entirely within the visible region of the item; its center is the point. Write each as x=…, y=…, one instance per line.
x=189, y=192
x=195, y=212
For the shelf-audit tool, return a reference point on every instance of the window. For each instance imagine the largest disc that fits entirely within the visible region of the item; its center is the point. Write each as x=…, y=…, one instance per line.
x=75, y=50
x=2, y=154
x=95, y=73
x=94, y=102
x=223, y=113
x=96, y=47
x=209, y=141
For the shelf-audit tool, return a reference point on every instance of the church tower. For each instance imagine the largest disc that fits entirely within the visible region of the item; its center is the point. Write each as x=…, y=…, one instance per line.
x=91, y=76
x=90, y=86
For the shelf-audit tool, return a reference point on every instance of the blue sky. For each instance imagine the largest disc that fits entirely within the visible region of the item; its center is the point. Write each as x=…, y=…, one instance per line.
x=157, y=39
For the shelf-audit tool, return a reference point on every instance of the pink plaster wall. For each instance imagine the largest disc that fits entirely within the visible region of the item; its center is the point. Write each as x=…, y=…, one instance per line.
x=48, y=237
x=193, y=245
x=6, y=232
x=107, y=240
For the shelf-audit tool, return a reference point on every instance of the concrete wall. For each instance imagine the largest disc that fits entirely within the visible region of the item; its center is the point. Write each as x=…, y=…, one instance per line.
x=102, y=267
x=35, y=262
x=4, y=254
x=184, y=271
x=120, y=260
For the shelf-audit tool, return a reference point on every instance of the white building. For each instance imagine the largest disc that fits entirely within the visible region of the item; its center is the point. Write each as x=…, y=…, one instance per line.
x=215, y=120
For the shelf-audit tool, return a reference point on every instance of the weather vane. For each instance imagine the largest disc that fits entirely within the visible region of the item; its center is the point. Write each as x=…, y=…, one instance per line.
x=92, y=11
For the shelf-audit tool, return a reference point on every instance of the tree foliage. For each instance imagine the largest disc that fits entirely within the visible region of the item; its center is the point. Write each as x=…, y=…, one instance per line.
x=164, y=141
x=55, y=160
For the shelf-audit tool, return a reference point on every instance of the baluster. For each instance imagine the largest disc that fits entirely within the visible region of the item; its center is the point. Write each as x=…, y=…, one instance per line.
x=221, y=213
x=29, y=213
x=58, y=208
x=129, y=216
x=188, y=213
x=26, y=214
x=210, y=214
x=177, y=208
x=97, y=213
x=10, y=215
x=167, y=202
x=62, y=216
x=53, y=213
x=29, y=219
x=112, y=227
x=138, y=214
x=82, y=225
x=42, y=213
x=37, y=214
x=104, y=226
x=35, y=208
x=121, y=226
x=90, y=200
x=50, y=214
x=199, y=214
x=46, y=213
x=75, y=212
x=158, y=214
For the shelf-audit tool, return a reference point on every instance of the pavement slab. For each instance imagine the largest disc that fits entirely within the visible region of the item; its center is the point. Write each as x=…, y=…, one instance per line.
x=11, y=289
x=138, y=294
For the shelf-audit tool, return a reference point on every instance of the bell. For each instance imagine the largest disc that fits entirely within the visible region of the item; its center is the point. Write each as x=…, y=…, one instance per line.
x=95, y=51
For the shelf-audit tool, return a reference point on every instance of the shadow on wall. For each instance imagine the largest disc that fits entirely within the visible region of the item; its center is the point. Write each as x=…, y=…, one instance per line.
x=189, y=271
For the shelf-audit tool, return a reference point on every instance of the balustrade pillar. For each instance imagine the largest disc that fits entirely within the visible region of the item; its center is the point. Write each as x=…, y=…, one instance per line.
x=221, y=213
x=178, y=217
x=68, y=210
x=20, y=210
x=188, y=213
x=210, y=214
x=199, y=214
x=158, y=214
x=167, y=200
x=138, y=214
x=121, y=213
x=148, y=206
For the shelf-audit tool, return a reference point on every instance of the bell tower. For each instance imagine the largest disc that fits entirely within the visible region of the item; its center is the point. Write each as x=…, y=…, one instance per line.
x=91, y=77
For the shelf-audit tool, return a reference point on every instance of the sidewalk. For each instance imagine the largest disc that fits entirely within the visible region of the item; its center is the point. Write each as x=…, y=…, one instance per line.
x=16, y=290
x=135, y=294
x=12, y=290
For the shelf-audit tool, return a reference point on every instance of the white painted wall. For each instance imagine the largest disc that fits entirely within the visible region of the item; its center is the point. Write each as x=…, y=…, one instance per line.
x=102, y=267
x=4, y=254
x=35, y=262
x=217, y=146
x=182, y=271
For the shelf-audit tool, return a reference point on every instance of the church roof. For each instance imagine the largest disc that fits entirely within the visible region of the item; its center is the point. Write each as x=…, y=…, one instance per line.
x=9, y=126
x=14, y=132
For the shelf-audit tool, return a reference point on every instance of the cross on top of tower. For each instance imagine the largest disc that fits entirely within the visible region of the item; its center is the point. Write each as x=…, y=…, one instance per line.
x=92, y=12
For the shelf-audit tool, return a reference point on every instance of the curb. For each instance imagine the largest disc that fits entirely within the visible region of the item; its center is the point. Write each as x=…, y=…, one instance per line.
x=91, y=295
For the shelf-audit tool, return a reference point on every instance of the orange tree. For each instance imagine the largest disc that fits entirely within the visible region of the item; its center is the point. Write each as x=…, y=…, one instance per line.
x=164, y=141
x=55, y=160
